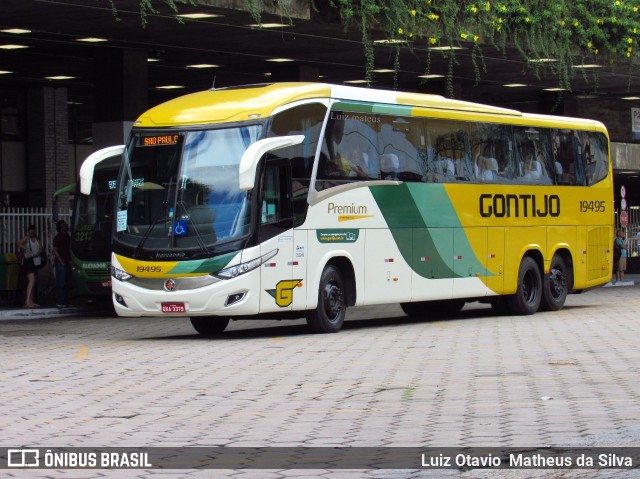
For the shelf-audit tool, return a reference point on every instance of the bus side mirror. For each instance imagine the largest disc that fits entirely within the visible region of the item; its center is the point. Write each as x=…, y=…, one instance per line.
x=251, y=157
x=89, y=165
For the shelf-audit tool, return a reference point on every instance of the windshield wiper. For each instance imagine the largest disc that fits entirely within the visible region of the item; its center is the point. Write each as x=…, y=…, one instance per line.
x=201, y=243
x=147, y=233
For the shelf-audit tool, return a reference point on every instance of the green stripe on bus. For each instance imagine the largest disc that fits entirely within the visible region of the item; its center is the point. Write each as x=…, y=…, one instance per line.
x=208, y=265
x=392, y=109
x=353, y=106
x=380, y=108
x=423, y=222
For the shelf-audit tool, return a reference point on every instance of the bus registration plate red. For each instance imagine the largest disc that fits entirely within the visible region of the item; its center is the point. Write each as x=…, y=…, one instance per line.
x=172, y=307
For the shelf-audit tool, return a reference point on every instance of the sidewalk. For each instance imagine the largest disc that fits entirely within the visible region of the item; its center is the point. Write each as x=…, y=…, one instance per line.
x=14, y=312
x=629, y=280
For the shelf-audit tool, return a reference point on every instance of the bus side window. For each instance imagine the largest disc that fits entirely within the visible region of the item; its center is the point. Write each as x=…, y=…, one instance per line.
x=399, y=140
x=596, y=158
x=276, y=196
x=491, y=147
x=565, y=161
x=275, y=200
x=533, y=155
x=270, y=212
x=453, y=153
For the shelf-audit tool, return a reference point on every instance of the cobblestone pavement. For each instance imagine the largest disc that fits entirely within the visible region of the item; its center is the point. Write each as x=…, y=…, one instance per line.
x=551, y=379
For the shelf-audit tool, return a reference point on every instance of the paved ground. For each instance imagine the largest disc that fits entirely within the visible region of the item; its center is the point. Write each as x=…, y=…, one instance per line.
x=568, y=378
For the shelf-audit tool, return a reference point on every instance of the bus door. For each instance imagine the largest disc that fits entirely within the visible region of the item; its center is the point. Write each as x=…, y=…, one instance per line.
x=278, y=281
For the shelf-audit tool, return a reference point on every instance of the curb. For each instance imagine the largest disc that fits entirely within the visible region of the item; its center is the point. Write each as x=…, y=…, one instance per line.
x=44, y=313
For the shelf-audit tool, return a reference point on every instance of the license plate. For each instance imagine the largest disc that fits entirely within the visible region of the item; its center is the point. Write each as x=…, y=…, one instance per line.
x=106, y=284
x=172, y=307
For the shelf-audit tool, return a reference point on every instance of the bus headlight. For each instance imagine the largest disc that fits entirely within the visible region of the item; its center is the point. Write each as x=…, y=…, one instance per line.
x=242, y=268
x=119, y=274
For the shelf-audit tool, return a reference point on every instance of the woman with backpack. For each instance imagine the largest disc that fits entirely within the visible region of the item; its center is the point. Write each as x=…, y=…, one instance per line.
x=31, y=262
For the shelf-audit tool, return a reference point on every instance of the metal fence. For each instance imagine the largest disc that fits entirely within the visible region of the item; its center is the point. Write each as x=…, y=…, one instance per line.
x=14, y=223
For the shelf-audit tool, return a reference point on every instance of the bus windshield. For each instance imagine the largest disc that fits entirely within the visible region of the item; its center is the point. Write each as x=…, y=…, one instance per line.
x=179, y=191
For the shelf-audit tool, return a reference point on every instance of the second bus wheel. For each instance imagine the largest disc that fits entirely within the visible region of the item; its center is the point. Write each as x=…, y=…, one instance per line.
x=209, y=326
x=529, y=293
x=555, y=285
x=329, y=316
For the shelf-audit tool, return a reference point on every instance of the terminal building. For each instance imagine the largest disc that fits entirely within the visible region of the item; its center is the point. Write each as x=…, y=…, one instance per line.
x=74, y=75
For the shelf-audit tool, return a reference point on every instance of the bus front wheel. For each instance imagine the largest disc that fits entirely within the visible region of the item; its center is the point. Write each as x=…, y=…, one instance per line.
x=329, y=316
x=208, y=326
x=529, y=293
x=555, y=285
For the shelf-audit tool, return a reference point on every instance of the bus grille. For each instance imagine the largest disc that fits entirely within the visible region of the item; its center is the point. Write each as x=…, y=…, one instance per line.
x=96, y=273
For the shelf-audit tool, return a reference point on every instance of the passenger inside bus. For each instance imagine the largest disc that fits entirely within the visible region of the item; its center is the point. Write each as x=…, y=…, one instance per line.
x=389, y=165
x=350, y=147
x=487, y=168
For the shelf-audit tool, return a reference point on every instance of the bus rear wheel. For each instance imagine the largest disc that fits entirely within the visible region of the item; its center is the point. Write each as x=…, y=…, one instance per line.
x=329, y=316
x=433, y=308
x=209, y=326
x=555, y=286
x=529, y=293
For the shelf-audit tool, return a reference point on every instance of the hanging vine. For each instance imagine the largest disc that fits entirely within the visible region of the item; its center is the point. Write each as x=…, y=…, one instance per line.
x=147, y=7
x=550, y=35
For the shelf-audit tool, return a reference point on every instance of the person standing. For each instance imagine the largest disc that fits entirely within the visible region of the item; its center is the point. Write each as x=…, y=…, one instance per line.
x=32, y=249
x=621, y=245
x=62, y=253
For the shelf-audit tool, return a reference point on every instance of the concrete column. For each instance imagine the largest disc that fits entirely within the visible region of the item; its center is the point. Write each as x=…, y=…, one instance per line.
x=47, y=167
x=120, y=94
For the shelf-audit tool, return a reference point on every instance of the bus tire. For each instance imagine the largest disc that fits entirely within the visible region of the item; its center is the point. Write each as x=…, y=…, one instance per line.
x=413, y=310
x=329, y=316
x=433, y=308
x=529, y=293
x=555, y=285
x=209, y=326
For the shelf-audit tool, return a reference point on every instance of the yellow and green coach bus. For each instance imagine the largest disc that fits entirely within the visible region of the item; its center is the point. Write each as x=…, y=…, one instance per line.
x=302, y=199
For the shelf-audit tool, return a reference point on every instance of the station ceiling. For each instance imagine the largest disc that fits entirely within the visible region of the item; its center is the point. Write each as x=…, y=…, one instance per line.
x=242, y=53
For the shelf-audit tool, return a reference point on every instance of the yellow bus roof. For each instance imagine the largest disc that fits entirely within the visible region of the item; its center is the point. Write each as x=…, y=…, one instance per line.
x=230, y=104
x=259, y=101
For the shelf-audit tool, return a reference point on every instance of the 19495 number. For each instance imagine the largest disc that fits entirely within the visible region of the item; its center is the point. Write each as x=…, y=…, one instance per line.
x=148, y=269
x=593, y=206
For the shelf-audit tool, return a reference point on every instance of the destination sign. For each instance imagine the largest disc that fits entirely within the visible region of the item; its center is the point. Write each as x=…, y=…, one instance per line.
x=159, y=140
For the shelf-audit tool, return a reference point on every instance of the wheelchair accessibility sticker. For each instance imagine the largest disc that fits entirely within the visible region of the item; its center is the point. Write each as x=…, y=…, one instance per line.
x=180, y=228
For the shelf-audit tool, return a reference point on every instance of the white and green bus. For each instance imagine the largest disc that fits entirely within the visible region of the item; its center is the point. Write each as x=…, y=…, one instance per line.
x=302, y=199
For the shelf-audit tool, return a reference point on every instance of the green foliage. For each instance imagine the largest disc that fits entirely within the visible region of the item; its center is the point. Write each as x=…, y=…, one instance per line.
x=570, y=32
x=147, y=7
